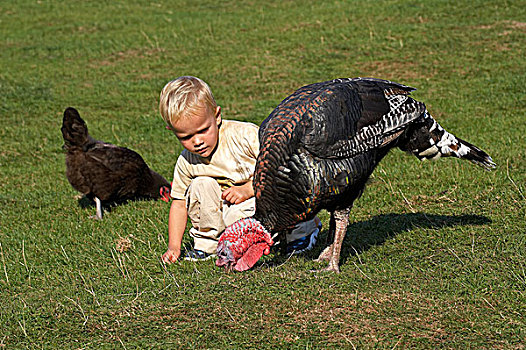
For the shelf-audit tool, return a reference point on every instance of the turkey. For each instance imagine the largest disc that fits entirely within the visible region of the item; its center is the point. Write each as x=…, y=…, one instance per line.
x=104, y=172
x=317, y=150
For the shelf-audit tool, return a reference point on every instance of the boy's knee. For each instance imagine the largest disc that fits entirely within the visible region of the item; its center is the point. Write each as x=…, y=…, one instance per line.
x=234, y=212
x=203, y=184
x=203, y=190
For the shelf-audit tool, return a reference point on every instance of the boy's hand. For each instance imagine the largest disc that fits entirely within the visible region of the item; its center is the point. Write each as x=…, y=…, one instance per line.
x=171, y=255
x=238, y=193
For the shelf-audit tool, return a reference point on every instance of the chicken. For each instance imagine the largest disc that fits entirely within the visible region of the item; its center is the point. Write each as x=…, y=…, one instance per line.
x=104, y=172
x=317, y=150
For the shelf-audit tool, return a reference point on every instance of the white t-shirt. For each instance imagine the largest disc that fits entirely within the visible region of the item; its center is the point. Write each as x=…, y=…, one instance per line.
x=233, y=161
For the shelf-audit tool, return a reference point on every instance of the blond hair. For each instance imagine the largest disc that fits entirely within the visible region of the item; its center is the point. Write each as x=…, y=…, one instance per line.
x=184, y=96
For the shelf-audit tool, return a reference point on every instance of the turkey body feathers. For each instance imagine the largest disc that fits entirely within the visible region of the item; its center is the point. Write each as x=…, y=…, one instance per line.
x=105, y=172
x=319, y=147
x=322, y=141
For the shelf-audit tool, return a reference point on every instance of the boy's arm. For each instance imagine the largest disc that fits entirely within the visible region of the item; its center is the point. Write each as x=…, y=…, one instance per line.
x=238, y=193
x=176, y=226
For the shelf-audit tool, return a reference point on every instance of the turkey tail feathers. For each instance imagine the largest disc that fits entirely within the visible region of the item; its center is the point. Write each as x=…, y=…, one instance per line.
x=428, y=140
x=477, y=156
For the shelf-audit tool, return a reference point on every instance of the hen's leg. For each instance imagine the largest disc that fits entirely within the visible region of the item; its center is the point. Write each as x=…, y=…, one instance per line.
x=341, y=218
x=99, y=208
x=325, y=255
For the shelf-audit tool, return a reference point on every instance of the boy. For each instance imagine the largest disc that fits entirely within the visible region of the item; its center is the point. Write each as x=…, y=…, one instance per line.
x=212, y=183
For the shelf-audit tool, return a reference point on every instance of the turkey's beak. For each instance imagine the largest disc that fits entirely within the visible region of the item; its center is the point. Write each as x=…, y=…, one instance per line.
x=225, y=257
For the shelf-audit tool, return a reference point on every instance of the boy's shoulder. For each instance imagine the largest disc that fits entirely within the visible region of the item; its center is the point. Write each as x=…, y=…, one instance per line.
x=236, y=128
x=237, y=124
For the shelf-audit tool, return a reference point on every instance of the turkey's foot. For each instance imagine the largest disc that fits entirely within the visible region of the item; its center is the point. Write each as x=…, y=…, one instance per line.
x=325, y=255
x=330, y=268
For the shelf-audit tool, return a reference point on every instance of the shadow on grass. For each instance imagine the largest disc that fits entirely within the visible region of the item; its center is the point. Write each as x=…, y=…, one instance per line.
x=363, y=235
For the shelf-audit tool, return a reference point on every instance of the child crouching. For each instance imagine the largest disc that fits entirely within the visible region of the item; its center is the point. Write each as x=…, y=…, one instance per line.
x=212, y=183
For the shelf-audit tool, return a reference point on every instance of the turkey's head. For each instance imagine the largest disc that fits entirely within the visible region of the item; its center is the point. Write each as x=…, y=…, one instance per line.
x=242, y=244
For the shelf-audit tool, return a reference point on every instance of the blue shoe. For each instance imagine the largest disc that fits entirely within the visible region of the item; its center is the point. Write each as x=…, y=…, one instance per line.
x=305, y=243
x=197, y=255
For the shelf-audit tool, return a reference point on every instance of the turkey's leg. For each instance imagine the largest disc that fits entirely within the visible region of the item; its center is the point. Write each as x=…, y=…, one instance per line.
x=325, y=255
x=341, y=218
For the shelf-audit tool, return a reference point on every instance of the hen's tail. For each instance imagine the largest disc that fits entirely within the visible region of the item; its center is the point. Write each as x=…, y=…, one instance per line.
x=426, y=139
x=74, y=129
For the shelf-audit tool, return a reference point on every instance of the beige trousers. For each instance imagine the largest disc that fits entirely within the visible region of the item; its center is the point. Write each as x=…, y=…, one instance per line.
x=210, y=215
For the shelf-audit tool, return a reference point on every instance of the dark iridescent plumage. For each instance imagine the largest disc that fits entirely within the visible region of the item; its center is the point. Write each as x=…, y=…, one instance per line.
x=321, y=144
x=105, y=172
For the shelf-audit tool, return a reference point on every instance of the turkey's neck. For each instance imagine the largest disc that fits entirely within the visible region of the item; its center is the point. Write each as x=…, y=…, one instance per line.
x=266, y=220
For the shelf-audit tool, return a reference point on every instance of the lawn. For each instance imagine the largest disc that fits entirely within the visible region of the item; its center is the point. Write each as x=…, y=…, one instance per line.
x=435, y=255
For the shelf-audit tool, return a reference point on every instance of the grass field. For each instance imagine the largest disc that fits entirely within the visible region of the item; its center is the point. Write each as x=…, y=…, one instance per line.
x=435, y=255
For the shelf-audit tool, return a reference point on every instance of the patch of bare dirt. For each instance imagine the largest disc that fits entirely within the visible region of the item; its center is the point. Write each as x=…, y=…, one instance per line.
x=509, y=27
x=123, y=243
x=121, y=56
x=393, y=70
x=443, y=198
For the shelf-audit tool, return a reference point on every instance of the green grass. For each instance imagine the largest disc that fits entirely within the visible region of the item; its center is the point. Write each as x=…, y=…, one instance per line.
x=435, y=255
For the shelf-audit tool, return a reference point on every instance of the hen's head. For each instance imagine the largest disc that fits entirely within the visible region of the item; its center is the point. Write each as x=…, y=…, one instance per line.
x=242, y=244
x=164, y=192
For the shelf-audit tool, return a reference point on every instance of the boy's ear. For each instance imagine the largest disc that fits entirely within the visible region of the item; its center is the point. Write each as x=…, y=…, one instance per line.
x=218, y=115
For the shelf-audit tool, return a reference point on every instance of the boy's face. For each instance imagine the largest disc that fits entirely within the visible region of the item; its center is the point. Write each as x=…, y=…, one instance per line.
x=199, y=131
